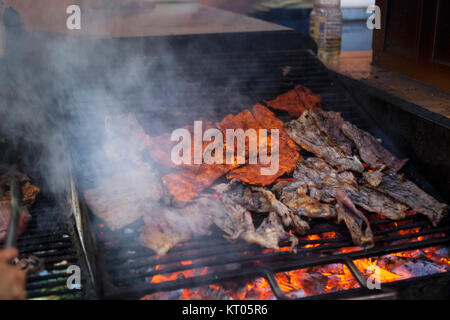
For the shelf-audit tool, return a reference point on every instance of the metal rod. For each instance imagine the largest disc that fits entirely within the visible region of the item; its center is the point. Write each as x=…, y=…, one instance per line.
x=13, y=227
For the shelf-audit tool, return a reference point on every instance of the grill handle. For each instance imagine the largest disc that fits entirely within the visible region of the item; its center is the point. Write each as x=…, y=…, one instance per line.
x=13, y=226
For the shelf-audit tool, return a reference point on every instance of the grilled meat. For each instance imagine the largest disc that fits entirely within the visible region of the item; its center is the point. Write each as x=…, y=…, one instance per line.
x=238, y=223
x=287, y=216
x=270, y=233
x=296, y=101
x=5, y=214
x=315, y=174
x=165, y=227
x=184, y=185
x=370, y=149
x=287, y=152
x=330, y=123
x=374, y=178
x=29, y=265
x=29, y=193
x=244, y=196
x=259, y=199
x=118, y=200
x=307, y=134
x=356, y=222
x=305, y=206
x=407, y=192
x=160, y=148
x=341, y=134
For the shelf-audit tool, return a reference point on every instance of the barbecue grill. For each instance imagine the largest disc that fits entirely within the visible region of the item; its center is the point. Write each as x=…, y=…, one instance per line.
x=229, y=78
x=126, y=269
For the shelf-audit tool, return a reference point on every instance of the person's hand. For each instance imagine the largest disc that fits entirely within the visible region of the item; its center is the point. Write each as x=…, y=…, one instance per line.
x=12, y=280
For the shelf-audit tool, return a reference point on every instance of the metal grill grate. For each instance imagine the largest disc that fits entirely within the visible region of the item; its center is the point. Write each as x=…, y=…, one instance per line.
x=229, y=83
x=48, y=236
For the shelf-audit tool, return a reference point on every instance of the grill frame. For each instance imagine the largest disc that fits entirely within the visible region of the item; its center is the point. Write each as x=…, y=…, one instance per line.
x=336, y=98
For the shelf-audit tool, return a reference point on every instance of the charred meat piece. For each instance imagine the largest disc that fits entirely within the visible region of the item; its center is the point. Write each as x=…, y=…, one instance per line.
x=370, y=149
x=410, y=194
x=356, y=222
x=374, y=178
x=165, y=227
x=29, y=191
x=118, y=200
x=330, y=123
x=307, y=134
x=347, y=135
x=184, y=185
x=244, y=196
x=270, y=233
x=315, y=174
x=30, y=265
x=296, y=101
x=304, y=205
x=258, y=199
x=5, y=214
x=160, y=148
x=286, y=153
x=287, y=216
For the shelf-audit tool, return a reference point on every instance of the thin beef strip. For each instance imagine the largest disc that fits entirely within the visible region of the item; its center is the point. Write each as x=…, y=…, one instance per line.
x=307, y=134
x=410, y=194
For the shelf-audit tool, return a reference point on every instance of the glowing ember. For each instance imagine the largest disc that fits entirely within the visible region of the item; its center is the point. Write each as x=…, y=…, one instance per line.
x=316, y=280
x=256, y=289
x=178, y=275
x=406, y=264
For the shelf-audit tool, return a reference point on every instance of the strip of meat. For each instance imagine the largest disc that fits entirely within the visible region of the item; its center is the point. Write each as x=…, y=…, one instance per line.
x=243, y=195
x=374, y=178
x=270, y=233
x=160, y=148
x=303, y=205
x=330, y=123
x=29, y=193
x=287, y=152
x=315, y=174
x=184, y=185
x=118, y=200
x=296, y=101
x=307, y=134
x=258, y=199
x=5, y=214
x=238, y=223
x=243, y=120
x=356, y=222
x=165, y=227
x=410, y=194
x=370, y=149
x=289, y=219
